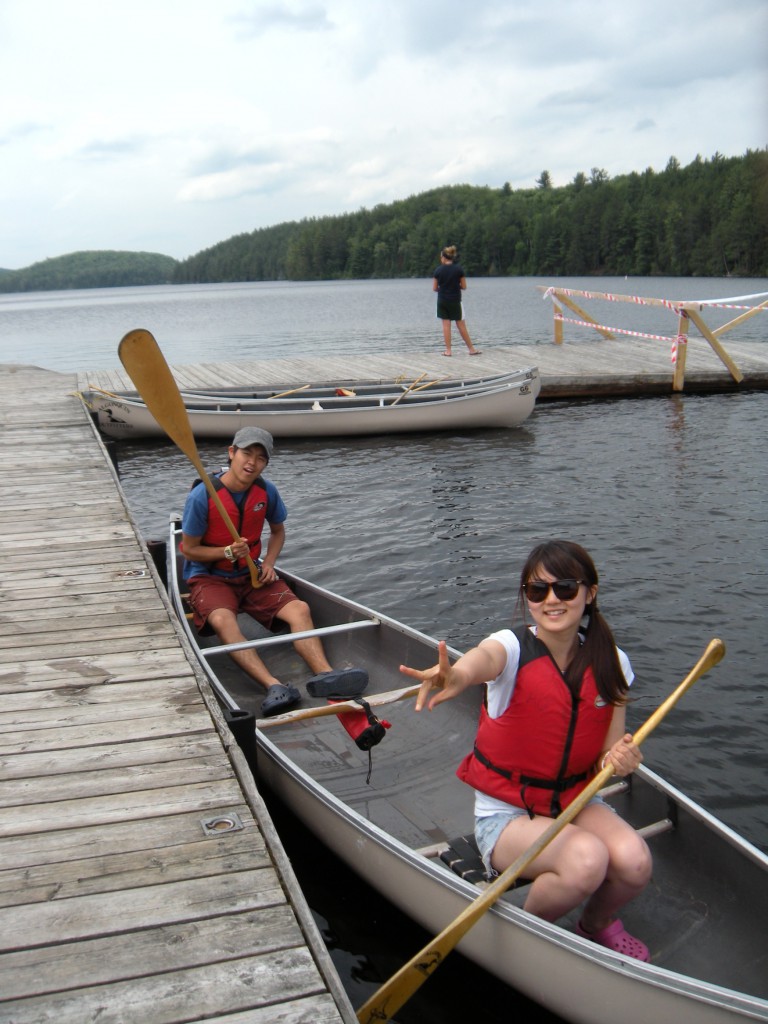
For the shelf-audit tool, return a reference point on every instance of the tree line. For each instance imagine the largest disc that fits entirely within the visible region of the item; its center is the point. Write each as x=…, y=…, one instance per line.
x=709, y=219
x=92, y=269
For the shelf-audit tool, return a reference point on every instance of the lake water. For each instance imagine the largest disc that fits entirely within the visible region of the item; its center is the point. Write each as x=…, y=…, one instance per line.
x=668, y=494
x=80, y=330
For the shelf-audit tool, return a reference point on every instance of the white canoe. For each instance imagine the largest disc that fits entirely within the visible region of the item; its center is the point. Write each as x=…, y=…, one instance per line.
x=704, y=916
x=475, y=406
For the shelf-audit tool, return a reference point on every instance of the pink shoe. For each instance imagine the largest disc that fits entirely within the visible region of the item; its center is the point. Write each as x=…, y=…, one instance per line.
x=616, y=937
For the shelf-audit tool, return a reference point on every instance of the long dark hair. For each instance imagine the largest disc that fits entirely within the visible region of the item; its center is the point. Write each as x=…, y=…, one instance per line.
x=566, y=560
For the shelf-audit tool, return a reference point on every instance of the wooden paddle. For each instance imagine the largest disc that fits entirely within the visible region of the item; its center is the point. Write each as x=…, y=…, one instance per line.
x=291, y=392
x=429, y=384
x=146, y=366
x=410, y=388
x=375, y=700
x=402, y=985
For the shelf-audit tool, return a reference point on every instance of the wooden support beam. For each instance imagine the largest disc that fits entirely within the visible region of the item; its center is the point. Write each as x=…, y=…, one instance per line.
x=558, y=323
x=740, y=319
x=729, y=364
x=678, y=377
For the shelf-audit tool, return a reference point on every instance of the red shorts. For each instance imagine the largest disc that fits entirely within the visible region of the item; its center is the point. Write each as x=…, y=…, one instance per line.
x=207, y=593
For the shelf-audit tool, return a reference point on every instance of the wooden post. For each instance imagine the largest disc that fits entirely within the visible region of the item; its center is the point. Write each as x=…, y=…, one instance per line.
x=678, y=377
x=558, y=323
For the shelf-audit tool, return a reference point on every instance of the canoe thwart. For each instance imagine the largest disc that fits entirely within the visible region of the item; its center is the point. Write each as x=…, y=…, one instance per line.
x=269, y=641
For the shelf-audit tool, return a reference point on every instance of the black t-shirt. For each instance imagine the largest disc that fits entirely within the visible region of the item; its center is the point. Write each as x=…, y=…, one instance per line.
x=449, y=277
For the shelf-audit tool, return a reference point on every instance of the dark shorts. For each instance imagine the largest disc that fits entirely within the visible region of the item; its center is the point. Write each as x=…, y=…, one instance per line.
x=450, y=309
x=207, y=593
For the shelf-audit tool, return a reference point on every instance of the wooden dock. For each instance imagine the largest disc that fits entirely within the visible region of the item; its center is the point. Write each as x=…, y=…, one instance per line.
x=592, y=369
x=141, y=878
x=123, y=898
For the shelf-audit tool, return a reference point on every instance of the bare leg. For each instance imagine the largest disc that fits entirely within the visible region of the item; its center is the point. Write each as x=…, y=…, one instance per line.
x=629, y=868
x=461, y=326
x=598, y=858
x=225, y=624
x=299, y=618
x=447, y=335
x=564, y=874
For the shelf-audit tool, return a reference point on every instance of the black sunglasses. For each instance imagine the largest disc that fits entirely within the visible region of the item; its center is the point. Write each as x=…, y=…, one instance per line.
x=564, y=590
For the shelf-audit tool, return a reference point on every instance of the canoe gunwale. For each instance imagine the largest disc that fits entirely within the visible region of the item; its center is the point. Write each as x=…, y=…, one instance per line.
x=391, y=389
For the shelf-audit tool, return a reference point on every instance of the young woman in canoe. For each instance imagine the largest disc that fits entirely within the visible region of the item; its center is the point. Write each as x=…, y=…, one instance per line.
x=449, y=282
x=553, y=716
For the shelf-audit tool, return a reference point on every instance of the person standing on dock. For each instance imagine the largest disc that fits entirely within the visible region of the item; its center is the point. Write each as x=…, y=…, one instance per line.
x=449, y=281
x=552, y=718
x=219, y=580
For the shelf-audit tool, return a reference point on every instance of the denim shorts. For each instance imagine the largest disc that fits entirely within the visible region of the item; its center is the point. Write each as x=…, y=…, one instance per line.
x=489, y=828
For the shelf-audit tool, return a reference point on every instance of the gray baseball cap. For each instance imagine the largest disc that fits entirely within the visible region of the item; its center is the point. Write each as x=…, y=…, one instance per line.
x=247, y=436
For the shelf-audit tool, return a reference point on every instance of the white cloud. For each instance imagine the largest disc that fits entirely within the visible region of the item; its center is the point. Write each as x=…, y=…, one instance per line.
x=171, y=126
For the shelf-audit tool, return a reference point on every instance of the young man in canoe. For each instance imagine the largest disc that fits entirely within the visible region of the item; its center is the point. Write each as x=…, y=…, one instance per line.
x=217, y=572
x=553, y=716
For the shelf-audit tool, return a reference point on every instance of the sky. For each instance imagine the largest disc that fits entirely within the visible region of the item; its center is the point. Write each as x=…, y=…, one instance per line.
x=171, y=125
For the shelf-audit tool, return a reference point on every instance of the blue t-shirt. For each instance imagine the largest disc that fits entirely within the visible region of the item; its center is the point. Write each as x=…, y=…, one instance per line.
x=194, y=522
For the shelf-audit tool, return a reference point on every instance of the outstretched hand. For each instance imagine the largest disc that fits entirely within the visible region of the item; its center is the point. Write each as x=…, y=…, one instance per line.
x=439, y=677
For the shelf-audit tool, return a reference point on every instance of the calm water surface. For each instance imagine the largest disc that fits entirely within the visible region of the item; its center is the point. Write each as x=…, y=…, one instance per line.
x=667, y=493
x=80, y=330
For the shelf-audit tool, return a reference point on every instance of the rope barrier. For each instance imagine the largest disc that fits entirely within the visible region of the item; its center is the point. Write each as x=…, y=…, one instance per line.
x=728, y=303
x=677, y=341
x=614, y=330
x=571, y=292
x=680, y=307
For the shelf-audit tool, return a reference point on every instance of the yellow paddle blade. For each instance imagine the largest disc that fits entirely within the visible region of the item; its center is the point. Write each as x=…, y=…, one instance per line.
x=146, y=366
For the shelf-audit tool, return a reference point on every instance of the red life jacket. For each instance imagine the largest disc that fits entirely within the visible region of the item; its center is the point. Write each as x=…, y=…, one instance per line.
x=540, y=753
x=248, y=518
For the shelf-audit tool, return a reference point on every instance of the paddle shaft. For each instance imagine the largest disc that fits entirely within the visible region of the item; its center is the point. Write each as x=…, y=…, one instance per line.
x=291, y=392
x=146, y=366
x=410, y=388
x=402, y=985
x=376, y=700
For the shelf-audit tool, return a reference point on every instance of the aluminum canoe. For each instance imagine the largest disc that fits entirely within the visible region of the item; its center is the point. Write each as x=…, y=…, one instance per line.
x=703, y=915
x=496, y=404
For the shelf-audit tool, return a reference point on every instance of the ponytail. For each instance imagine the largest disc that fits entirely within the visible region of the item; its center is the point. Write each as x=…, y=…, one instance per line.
x=599, y=651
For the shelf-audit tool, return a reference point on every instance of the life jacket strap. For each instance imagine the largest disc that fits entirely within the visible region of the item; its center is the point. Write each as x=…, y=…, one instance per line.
x=557, y=786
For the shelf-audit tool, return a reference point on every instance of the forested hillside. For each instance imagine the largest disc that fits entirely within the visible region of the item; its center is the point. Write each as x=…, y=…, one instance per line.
x=706, y=219
x=95, y=269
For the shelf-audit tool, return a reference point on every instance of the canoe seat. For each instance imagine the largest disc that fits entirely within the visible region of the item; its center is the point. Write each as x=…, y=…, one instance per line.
x=463, y=858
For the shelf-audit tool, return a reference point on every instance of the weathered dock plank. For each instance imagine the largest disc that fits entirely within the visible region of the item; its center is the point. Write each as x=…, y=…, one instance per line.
x=581, y=369
x=116, y=901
